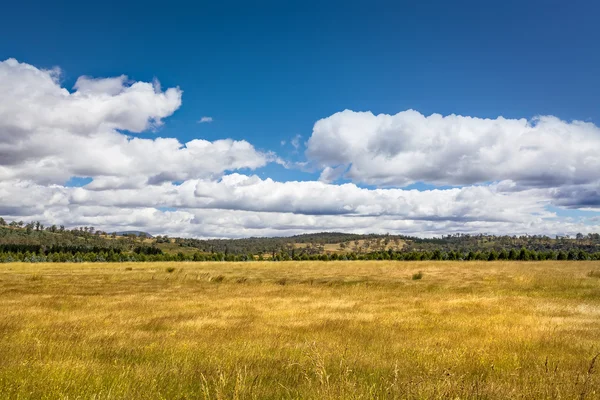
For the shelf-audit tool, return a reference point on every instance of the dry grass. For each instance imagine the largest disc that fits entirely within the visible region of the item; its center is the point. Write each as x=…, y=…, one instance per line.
x=346, y=330
x=358, y=246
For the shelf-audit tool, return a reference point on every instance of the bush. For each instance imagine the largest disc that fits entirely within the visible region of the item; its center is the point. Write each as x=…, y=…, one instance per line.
x=170, y=269
x=417, y=276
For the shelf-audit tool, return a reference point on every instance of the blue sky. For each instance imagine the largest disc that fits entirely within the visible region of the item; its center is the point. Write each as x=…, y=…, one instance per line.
x=268, y=72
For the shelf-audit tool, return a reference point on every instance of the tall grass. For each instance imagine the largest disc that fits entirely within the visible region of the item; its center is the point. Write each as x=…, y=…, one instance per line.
x=355, y=330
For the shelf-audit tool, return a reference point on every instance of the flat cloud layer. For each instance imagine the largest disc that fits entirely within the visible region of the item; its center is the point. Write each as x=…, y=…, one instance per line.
x=510, y=171
x=477, y=203
x=239, y=205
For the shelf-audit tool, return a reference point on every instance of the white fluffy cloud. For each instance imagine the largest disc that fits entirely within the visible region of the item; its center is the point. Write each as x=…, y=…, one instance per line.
x=49, y=134
x=409, y=147
x=240, y=205
x=252, y=194
x=33, y=100
x=475, y=203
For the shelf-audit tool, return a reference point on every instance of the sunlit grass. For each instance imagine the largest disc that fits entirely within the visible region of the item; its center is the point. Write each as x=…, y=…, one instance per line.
x=300, y=330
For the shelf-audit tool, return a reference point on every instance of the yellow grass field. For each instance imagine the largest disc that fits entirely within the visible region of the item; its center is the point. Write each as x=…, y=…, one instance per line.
x=287, y=330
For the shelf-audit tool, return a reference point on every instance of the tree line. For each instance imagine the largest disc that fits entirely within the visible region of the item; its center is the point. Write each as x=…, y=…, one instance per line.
x=152, y=254
x=34, y=242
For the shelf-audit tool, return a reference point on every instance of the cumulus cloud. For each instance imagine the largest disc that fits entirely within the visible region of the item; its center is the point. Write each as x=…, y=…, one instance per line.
x=513, y=169
x=48, y=134
x=253, y=194
x=409, y=147
x=582, y=196
x=475, y=203
x=239, y=206
x=330, y=174
x=33, y=100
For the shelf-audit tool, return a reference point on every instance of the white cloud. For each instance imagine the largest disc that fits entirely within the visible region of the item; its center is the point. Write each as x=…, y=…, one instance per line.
x=33, y=102
x=241, y=206
x=107, y=86
x=408, y=147
x=48, y=134
x=205, y=120
x=330, y=174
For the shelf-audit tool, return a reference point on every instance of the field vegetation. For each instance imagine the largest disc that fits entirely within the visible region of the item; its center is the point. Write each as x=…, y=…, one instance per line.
x=268, y=330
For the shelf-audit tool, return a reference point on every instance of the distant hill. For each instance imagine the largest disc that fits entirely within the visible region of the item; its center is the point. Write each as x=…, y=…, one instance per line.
x=344, y=243
x=34, y=237
x=313, y=243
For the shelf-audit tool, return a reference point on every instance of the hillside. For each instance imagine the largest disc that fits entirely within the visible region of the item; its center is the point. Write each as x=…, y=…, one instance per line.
x=341, y=243
x=34, y=238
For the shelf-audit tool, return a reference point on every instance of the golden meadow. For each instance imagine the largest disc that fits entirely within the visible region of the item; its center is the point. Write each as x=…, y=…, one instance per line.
x=288, y=330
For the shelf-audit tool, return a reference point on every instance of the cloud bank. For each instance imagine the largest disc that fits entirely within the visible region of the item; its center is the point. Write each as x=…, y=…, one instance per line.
x=509, y=175
x=409, y=147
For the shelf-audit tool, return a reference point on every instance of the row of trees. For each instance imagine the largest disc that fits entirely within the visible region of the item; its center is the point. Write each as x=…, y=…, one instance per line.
x=34, y=236
x=142, y=254
x=111, y=256
x=37, y=226
x=523, y=254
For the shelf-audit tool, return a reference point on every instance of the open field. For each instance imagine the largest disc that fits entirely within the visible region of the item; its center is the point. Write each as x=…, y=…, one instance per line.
x=473, y=330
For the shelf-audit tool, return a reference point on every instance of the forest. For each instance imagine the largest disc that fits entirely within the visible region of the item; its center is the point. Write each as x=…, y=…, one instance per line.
x=34, y=242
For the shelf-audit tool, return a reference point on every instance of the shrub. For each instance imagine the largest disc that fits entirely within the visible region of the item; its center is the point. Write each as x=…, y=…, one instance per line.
x=128, y=269
x=417, y=276
x=170, y=269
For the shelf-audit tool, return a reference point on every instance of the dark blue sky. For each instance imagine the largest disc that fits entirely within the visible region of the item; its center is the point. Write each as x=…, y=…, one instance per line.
x=267, y=72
